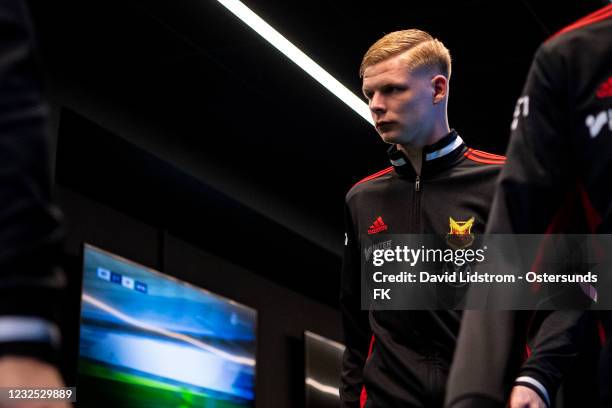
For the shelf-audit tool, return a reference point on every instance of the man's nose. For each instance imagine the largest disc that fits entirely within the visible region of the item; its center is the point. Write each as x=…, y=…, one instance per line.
x=377, y=103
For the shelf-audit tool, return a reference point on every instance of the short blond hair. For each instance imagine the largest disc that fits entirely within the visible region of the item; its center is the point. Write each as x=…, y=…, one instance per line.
x=422, y=50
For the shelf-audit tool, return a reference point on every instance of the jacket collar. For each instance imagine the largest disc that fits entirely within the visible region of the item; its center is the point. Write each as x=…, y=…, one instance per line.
x=436, y=157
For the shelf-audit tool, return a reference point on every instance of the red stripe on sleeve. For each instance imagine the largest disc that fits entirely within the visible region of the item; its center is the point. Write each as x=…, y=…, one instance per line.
x=479, y=159
x=592, y=18
x=364, y=393
x=375, y=175
x=602, y=332
x=485, y=154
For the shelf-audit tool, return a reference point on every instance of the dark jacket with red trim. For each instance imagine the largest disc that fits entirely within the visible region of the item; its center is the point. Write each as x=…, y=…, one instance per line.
x=557, y=180
x=401, y=358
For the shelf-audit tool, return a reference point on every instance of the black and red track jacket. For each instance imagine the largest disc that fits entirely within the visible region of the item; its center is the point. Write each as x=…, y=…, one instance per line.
x=558, y=179
x=402, y=358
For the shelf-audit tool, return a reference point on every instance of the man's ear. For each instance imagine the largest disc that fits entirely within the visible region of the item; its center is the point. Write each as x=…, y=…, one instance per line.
x=439, y=84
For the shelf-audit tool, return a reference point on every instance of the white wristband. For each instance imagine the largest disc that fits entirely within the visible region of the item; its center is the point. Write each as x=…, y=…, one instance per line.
x=536, y=384
x=27, y=328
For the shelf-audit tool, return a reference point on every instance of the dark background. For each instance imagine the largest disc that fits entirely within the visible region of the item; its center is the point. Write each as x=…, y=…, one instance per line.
x=187, y=143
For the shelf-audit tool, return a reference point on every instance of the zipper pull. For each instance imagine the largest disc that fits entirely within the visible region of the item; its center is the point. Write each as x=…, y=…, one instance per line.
x=417, y=183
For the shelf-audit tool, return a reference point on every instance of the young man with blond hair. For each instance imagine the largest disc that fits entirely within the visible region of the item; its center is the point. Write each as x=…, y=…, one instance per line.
x=401, y=358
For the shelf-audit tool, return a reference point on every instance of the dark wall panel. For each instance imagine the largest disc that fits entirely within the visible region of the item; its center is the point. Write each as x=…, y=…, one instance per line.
x=99, y=225
x=111, y=170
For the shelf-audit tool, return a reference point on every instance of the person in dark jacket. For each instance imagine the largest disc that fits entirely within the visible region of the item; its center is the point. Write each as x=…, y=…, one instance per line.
x=31, y=279
x=435, y=182
x=556, y=180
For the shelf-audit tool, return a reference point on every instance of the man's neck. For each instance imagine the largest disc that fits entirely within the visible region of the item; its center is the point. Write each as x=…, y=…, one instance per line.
x=415, y=153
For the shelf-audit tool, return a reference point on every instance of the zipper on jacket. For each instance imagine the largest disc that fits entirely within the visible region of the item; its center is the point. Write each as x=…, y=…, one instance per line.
x=416, y=208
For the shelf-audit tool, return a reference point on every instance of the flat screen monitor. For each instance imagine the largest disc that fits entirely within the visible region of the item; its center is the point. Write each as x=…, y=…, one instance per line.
x=150, y=340
x=323, y=365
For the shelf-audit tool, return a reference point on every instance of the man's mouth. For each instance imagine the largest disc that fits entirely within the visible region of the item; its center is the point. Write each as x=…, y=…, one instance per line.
x=384, y=125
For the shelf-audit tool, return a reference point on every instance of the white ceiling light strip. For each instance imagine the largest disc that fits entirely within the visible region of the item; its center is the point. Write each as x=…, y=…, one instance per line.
x=294, y=54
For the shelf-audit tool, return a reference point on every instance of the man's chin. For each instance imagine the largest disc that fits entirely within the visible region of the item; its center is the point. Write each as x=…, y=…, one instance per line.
x=391, y=138
x=399, y=138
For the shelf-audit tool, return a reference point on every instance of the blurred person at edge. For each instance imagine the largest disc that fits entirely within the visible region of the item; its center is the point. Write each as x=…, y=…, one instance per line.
x=30, y=230
x=556, y=180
